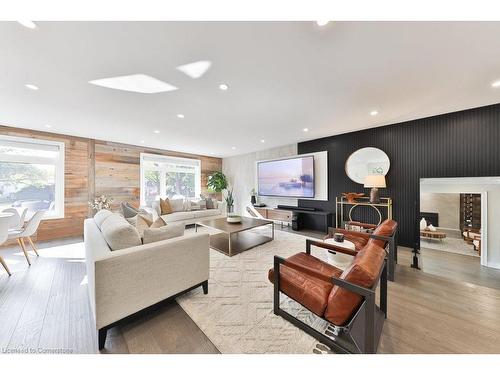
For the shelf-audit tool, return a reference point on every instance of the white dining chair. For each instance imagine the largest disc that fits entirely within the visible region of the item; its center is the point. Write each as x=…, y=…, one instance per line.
x=27, y=231
x=5, y=219
x=17, y=220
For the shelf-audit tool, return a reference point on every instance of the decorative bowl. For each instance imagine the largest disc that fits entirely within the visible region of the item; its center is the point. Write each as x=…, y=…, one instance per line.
x=234, y=219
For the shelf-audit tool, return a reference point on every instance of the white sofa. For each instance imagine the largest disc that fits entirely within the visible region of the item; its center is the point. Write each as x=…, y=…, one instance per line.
x=123, y=282
x=189, y=217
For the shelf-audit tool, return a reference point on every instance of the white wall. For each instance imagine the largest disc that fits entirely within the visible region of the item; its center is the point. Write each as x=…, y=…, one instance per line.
x=475, y=185
x=241, y=171
x=447, y=206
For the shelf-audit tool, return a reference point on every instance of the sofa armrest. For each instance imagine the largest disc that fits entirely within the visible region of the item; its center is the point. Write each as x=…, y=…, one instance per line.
x=129, y=280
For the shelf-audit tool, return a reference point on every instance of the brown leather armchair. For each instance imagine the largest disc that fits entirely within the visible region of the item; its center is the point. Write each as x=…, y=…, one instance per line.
x=346, y=299
x=383, y=235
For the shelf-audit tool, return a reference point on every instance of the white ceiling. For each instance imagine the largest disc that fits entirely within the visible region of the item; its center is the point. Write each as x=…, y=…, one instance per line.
x=282, y=77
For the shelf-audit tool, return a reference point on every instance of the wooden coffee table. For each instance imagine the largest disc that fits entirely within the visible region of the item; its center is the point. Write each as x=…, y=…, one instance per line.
x=432, y=234
x=236, y=237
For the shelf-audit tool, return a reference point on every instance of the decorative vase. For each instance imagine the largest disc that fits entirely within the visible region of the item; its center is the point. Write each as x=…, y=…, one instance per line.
x=230, y=209
x=253, y=200
x=423, y=224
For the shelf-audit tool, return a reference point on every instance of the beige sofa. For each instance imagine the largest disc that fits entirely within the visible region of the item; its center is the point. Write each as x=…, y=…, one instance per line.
x=123, y=282
x=189, y=216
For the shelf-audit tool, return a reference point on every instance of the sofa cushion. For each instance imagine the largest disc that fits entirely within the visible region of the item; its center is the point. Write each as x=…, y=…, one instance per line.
x=158, y=223
x=363, y=272
x=100, y=216
x=177, y=216
x=177, y=205
x=206, y=213
x=119, y=234
x=386, y=228
x=164, y=233
x=165, y=207
x=306, y=290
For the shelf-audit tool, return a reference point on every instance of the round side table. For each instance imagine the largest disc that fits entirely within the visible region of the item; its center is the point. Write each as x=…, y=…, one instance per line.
x=340, y=260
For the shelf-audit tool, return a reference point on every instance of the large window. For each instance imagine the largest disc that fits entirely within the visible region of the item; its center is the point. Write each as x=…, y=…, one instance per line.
x=167, y=176
x=32, y=175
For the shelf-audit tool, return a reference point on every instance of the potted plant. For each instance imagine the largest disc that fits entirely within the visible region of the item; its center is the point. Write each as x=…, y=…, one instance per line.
x=229, y=201
x=217, y=182
x=253, y=198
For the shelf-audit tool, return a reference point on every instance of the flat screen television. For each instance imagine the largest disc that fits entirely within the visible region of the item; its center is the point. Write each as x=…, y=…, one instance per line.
x=292, y=177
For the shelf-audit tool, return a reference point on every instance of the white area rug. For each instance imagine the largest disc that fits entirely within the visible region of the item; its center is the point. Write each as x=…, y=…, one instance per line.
x=237, y=315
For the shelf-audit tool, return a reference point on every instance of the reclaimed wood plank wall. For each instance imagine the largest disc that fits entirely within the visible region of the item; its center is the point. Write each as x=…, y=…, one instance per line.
x=94, y=167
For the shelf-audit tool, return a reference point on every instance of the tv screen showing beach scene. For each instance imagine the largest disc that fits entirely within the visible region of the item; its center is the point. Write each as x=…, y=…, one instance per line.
x=287, y=177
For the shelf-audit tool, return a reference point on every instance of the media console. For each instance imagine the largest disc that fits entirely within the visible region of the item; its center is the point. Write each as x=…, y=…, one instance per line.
x=295, y=215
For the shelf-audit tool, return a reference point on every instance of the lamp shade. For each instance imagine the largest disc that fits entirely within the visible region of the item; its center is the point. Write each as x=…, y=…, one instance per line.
x=375, y=180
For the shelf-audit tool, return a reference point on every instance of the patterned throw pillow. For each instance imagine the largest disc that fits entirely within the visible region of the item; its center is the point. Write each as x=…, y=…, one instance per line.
x=165, y=206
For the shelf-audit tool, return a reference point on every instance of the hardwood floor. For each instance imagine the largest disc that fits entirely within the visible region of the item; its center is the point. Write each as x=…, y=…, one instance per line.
x=45, y=307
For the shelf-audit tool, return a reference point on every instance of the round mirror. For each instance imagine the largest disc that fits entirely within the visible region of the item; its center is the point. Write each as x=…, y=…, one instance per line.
x=366, y=161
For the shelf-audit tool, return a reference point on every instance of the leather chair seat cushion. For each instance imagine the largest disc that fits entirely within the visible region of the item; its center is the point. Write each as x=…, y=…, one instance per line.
x=363, y=272
x=386, y=228
x=309, y=291
x=315, y=267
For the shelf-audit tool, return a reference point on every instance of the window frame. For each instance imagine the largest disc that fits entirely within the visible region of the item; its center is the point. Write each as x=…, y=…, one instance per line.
x=59, y=178
x=166, y=158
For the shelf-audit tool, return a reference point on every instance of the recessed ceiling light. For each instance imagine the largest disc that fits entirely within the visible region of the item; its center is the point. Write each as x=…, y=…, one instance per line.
x=28, y=24
x=322, y=22
x=262, y=141
x=48, y=126
x=496, y=84
x=156, y=131
x=180, y=115
x=374, y=113
x=31, y=86
x=141, y=83
x=142, y=141
x=233, y=148
x=196, y=69
x=305, y=130
x=223, y=86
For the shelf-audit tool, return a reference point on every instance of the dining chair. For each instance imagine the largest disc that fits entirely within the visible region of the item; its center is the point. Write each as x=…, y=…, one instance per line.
x=17, y=220
x=5, y=220
x=27, y=231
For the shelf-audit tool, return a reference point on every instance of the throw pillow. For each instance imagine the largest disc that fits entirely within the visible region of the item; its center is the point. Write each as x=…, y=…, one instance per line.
x=158, y=223
x=128, y=210
x=164, y=233
x=119, y=234
x=176, y=205
x=142, y=223
x=165, y=206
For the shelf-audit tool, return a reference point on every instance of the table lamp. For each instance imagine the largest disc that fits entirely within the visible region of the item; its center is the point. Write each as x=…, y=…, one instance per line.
x=375, y=181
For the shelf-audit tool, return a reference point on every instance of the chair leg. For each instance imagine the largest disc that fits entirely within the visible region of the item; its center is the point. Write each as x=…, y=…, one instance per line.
x=33, y=246
x=23, y=247
x=5, y=266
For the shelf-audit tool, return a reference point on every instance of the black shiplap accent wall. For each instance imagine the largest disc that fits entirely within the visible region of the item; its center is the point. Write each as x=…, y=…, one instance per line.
x=459, y=144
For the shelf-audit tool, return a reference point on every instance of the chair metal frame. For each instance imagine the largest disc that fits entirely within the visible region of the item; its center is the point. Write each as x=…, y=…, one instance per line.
x=361, y=333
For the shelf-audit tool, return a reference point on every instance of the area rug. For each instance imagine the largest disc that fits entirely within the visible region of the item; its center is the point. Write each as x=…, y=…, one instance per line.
x=237, y=315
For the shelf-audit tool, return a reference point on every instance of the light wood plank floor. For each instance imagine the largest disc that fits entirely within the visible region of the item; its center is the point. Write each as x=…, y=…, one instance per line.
x=46, y=307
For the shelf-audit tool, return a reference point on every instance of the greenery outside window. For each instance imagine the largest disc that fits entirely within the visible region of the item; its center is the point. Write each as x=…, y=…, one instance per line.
x=169, y=177
x=32, y=175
